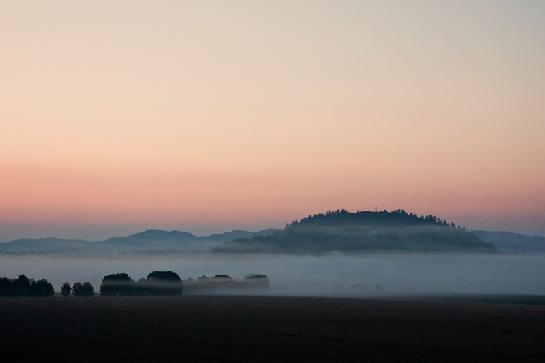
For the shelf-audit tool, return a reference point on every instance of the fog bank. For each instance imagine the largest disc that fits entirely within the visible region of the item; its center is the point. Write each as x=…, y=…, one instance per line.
x=329, y=275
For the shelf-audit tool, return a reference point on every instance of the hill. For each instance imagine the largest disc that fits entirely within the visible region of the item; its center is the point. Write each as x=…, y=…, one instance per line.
x=154, y=235
x=363, y=231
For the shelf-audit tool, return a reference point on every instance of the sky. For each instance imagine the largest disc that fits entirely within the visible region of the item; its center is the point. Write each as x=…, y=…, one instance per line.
x=117, y=116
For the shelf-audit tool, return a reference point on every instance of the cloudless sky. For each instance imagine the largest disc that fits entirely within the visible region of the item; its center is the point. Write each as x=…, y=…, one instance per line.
x=117, y=116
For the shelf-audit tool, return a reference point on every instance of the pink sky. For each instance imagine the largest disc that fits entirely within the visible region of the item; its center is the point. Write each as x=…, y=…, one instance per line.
x=208, y=116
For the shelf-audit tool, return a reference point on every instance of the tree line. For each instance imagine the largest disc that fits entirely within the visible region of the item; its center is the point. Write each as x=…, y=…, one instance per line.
x=156, y=283
x=23, y=286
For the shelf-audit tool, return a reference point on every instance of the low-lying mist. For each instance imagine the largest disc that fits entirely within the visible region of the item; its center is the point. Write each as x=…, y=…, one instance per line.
x=327, y=275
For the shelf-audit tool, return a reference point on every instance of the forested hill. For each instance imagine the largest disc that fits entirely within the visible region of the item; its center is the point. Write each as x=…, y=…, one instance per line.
x=363, y=231
x=385, y=218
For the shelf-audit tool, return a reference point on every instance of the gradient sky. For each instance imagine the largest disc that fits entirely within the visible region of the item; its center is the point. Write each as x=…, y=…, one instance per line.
x=211, y=115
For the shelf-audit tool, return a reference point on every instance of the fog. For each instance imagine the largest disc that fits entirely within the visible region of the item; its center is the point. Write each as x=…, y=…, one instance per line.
x=329, y=275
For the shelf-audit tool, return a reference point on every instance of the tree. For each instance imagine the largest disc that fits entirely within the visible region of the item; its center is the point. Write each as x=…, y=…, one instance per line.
x=163, y=276
x=163, y=283
x=118, y=284
x=88, y=289
x=21, y=286
x=77, y=289
x=65, y=289
x=85, y=289
x=41, y=288
x=6, y=287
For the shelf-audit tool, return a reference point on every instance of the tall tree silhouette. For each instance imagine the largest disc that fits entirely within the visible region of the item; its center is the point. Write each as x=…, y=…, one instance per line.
x=66, y=289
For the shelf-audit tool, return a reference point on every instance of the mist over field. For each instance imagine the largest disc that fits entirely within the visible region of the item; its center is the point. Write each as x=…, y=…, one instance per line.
x=327, y=275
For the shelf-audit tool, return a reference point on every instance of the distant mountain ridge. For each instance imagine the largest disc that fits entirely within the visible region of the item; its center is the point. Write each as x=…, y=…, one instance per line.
x=45, y=245
x=153, y=241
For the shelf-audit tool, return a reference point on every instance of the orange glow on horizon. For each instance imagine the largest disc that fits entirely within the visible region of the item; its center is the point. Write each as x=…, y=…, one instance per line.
x=251, y=114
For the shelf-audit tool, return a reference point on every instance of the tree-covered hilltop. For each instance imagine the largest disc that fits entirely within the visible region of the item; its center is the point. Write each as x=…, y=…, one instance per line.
x=363, y=231
x=395, y=217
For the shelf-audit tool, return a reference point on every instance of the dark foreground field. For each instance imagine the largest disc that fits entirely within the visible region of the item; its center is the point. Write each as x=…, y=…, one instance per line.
x=215, y=328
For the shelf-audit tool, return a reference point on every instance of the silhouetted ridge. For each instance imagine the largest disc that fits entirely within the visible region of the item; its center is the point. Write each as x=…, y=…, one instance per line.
x=363, y=231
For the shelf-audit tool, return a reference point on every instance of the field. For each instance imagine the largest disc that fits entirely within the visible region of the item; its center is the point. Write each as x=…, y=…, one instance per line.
x=233, y=328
